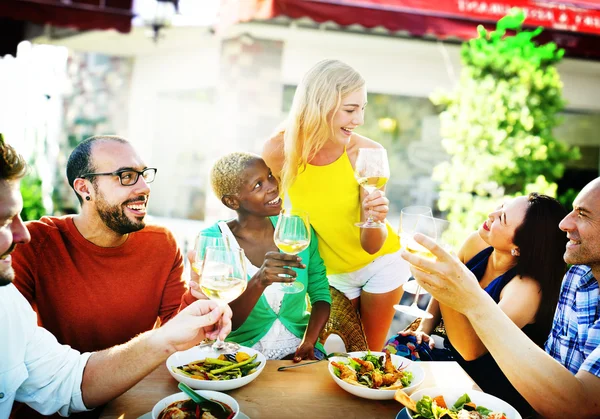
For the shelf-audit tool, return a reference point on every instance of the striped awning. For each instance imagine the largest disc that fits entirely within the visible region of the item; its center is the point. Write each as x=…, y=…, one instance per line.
x=573, y=25
x=79, y=14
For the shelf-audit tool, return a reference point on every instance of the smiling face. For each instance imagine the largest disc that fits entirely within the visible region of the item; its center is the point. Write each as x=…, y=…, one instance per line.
x=259, y=191
x=582, y=226
x=12, y=229
x=349, y=116
x=121, y=208
x=499, y=229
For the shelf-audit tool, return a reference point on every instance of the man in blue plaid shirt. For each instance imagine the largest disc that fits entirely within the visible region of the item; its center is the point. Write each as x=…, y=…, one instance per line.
x=564, y=380
x=575, y=337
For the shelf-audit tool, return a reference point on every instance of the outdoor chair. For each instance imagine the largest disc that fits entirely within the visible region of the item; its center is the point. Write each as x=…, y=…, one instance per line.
x=345, y=322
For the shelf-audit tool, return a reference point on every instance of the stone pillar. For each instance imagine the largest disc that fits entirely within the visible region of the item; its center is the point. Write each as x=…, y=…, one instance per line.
x=248, y=101
x=95, y=102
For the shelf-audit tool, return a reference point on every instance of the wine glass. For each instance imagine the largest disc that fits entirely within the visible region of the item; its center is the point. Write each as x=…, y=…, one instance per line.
x=416, y=219
x=206, y=239
x=223, y=280
x=292, y=236
x=371, y=171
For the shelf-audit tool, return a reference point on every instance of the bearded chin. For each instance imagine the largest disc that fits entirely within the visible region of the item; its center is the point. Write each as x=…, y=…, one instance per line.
x=118, y=222
x=6, y=278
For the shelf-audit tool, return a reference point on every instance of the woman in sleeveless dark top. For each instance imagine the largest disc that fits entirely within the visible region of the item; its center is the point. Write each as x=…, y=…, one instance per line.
x=517, y=257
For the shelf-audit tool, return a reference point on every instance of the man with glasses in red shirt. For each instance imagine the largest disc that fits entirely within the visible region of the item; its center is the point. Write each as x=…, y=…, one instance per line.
x=101, y=277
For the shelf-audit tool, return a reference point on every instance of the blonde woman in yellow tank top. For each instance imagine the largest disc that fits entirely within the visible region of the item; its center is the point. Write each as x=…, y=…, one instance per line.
x=314, y=156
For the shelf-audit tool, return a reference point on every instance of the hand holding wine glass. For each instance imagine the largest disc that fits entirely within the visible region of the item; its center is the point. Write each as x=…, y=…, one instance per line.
x=292, y=236
x=417, y=219
x=277, y=267
x=372, y=172
x=205, y=239
x=223, y=280
x=203, y=319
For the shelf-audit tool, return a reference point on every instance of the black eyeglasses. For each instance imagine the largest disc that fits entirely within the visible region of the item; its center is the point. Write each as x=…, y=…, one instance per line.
x=128, y=177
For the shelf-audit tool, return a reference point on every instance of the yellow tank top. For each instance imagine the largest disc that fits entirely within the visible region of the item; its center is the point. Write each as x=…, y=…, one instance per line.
x=330, y=195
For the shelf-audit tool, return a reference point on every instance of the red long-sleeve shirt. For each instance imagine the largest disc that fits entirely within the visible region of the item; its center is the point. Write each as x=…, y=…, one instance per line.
x=93, y=297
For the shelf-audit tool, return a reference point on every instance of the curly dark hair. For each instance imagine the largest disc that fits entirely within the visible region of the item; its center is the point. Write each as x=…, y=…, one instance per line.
x=542, y=245
x=12, y=164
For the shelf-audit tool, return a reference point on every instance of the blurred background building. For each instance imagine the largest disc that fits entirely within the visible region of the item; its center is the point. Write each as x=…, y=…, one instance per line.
x=187, y=81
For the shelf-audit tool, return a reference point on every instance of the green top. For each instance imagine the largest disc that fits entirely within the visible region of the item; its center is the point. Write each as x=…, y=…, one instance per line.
x=293, y=313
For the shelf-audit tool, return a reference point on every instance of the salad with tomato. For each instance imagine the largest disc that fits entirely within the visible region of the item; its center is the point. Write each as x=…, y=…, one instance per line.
x=463, y=408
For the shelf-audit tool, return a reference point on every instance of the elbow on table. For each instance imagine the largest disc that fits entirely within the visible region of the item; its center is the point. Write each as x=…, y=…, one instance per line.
x=577, y=399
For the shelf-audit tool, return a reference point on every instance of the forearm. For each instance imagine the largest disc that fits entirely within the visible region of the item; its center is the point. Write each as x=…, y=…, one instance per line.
x=111, y=372
x=462, y=335
x=547, y=385
x=244, y=304
x=318, y=318
x=372, y=239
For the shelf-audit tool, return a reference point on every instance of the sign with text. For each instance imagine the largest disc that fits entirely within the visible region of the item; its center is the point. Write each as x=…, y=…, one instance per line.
x=574, y=16
x=554, y=15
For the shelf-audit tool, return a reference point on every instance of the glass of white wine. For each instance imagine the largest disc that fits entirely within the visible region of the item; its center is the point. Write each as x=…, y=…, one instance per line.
x=223, y=280
x=416, y=219
x=292, y=236
x=206, y=239
x=372, y=172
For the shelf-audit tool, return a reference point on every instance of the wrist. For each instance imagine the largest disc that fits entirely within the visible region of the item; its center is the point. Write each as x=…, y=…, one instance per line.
x=479, y=308
x=306, y=344
x=309, y=339
x=262, y=283
x=159, y=342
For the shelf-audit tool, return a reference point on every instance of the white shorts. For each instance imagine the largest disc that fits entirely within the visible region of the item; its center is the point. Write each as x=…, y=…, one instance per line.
x=384, y=274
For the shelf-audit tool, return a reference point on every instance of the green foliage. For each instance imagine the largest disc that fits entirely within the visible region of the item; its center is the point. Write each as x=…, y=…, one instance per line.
x=567, y=198
x=33, y=203
x=31, y=191
x=497, y=125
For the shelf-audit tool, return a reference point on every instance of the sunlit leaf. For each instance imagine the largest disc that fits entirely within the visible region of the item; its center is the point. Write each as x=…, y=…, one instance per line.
x=497, y=124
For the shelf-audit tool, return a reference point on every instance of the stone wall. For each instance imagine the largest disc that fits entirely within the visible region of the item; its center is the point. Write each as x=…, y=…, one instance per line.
x=95, y=102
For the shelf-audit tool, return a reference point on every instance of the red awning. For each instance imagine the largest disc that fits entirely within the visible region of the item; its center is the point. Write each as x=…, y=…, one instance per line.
x=80, y=14
x=573, y=25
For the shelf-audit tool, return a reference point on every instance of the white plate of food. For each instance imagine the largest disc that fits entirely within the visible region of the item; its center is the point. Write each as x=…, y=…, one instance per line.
x=375, y=375
x=180, y=406
x=200, y=368
x=440, y=400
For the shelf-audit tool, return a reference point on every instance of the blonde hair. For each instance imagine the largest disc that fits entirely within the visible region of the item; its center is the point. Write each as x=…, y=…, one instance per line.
x=226, y=174
x=309, y=124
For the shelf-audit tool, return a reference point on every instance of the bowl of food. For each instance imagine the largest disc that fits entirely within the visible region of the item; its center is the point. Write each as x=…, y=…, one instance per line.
x=375, y=375
x=204, y=369
x=436, y=402
x=180, y=406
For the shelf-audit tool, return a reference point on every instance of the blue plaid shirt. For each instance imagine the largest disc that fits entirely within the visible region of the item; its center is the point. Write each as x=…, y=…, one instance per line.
x=575, y=337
